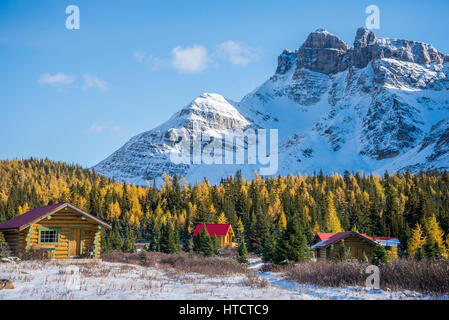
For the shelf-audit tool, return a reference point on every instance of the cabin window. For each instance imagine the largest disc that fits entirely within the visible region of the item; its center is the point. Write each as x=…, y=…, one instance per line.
x=49, y=235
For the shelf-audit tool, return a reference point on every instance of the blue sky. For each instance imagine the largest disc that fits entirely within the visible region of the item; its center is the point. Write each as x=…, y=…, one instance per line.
x=78, y=95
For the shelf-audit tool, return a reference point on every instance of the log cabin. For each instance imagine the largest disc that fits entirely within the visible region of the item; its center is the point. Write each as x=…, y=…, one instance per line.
x=61, y=230
x=390, y=243
x=223, y=232
x=359, y=245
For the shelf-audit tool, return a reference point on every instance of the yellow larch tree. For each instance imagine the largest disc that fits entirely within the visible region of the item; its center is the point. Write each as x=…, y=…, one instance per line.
x=114, y=211
x=283, y=220
x=416, y=241
x=435, y=233
x=332, y=221
x=222, y=219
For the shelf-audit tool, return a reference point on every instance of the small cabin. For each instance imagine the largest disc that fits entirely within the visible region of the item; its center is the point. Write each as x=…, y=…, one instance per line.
x=358, y=244
x=62, y=230
x=223, y=232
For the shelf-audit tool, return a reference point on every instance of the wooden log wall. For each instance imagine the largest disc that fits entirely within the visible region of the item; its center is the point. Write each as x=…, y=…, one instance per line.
x=12, y=238
x=64, y=219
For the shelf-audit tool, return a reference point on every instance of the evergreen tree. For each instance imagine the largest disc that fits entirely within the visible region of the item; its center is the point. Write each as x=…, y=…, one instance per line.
x=293, y=245
x=188, y=244
x=129, y=244
x=155, y=239
x=419, y=254
x=431, y=250
x=143, y=257
x=204, y=243
x=242, y=256
x=167, y=241
x=216, y=245
x=258, y=231
x=269, y=248
x=197, y=243
x=106, y=241
x=115, y=239
x=207, y=245
x=379, y=255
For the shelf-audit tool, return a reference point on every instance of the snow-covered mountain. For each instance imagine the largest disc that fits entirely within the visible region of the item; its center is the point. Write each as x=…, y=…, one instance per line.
x=382, y=104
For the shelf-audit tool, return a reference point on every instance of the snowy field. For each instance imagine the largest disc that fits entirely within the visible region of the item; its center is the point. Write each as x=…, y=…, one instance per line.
x=68, y=280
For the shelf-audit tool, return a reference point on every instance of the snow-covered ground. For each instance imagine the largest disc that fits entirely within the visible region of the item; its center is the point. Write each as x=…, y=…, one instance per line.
x=105, y=280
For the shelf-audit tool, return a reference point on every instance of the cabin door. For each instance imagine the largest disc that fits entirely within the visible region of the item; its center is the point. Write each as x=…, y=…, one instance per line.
x=360, y=253
x=75, y=242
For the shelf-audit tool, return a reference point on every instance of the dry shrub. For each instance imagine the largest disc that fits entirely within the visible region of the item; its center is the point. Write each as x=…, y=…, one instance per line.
x=211, y=266
x=228, y=252
x=34, y=254
x=132, y=258
x=181, y=263
x=271, y=267
x=254, y=281
x=423, y=276
x=328, y=273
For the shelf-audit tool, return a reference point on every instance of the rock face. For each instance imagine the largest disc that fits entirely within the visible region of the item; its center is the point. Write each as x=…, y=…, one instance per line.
x=326, y=53
x=382, y=104
x=363, y=48
x=323, y=52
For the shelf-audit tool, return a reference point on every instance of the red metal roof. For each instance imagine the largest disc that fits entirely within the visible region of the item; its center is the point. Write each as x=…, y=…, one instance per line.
x=213, y=229
x=338, y=236
x=324, y=235
x=385, y=238
x=28, y=217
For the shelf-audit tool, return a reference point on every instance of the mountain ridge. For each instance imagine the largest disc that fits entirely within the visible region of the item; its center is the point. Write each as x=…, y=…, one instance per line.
x=382, y=104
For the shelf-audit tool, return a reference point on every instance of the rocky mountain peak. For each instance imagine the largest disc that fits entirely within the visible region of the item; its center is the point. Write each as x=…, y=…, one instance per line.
x=209, y=110
x=364, y=37
x=322, y=39
x=362, y=52
x=326, y=53
x=323, y=52
x=381, y=105
x=285, y=61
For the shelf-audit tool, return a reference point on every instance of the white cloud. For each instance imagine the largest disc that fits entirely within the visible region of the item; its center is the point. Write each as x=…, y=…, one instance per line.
x=117, y=128
x=97, y=128
x=56, y=79
x=237, y=53
x=139, y=56
x=155, y=63
x=190, y=60
x=197, y=58
x=92, y=81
